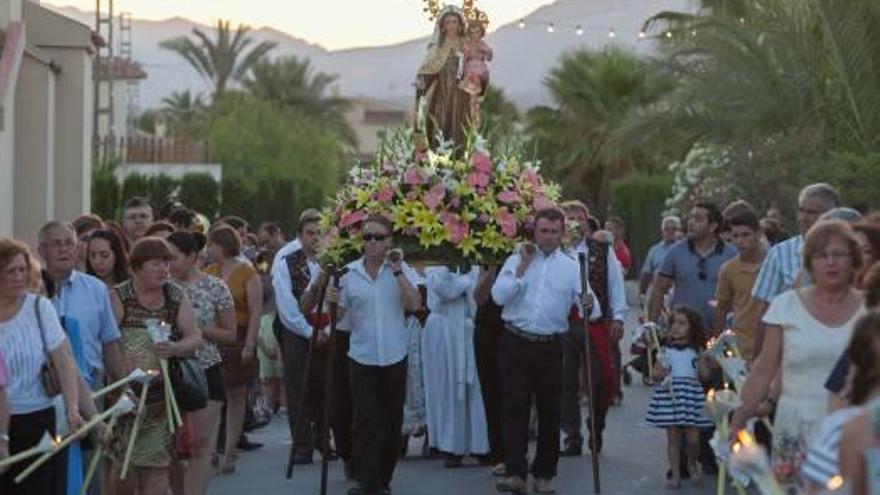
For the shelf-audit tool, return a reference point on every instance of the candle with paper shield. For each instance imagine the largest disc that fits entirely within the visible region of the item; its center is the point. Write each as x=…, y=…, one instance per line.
x=142, y=402
x=122, y=406
x=750, y=459
x=136, y=375
x=161, y=332
x=45, y=444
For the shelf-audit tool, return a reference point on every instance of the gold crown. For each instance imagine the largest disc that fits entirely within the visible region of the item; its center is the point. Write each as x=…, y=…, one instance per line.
x=471, y=13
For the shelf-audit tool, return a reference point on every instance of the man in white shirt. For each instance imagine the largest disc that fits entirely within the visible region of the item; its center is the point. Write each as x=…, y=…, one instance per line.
x=536, y=287
x=293, y=271
x=606, y=281
x=374, y=295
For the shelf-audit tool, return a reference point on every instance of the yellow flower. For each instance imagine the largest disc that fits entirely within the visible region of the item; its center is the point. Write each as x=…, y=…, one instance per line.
x=433, y=235
x=491, y=239
x=400, y=215
x=468, y=246
x=424, y=218
x=362, y=196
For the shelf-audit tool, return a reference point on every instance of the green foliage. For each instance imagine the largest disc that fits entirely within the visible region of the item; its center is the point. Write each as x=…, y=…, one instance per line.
x=201, y=193
x=270, y=199
x=223, y=59
x=293, y=83
x=640, y=200
x=181, y=111
x=857, y=177
x=157, y=188
x=105, y=192
x=499, y=115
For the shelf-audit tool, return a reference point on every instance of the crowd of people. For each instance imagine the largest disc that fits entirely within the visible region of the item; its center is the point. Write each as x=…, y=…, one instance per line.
x=477, y=361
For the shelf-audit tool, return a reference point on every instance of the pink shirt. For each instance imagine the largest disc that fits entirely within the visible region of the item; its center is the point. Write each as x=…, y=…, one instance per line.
x=4, y=375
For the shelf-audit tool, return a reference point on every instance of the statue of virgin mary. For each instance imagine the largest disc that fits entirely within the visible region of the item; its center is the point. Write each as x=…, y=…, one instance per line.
x=441, y=105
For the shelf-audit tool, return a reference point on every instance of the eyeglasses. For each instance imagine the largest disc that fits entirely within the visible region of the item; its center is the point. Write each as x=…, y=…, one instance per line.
x=375, y=237
x=832, y=256
x=701, y=266
x=68, y=244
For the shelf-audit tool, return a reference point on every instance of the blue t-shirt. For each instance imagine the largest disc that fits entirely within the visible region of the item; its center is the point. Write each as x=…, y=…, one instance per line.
x=695, y=277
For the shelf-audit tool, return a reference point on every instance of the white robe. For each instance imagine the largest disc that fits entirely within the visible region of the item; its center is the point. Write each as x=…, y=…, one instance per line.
x=454, y=403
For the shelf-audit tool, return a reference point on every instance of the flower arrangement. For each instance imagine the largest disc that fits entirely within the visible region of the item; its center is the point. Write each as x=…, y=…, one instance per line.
x=453, y=209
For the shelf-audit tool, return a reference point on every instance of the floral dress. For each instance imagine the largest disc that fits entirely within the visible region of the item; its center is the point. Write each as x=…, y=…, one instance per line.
x=153, y=445
x=209, y=295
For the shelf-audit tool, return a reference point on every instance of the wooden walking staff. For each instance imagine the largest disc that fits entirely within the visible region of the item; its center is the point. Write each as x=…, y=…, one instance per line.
x=587, y=309
x=329, y=366
x=304, y=394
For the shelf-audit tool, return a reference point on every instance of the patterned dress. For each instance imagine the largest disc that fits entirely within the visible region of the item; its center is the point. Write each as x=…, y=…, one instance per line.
x=679, y=400
x=153, y=445
x=208, y=295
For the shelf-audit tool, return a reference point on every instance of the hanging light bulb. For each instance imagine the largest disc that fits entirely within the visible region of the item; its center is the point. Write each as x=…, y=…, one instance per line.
x=693, y=32
x=551, y=28
x=611, y=33
x=522, y=23
x=579, y=31
x=642, y=35
x=669, y=34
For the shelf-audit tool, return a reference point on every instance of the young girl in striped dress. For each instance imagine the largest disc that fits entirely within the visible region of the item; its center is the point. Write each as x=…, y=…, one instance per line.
x=678, y=401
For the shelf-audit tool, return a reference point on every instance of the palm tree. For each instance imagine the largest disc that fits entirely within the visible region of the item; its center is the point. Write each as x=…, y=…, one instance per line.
x=222, y=60
x=181, y=110
x=293, y=83
x=593, y=92
x=498, y=114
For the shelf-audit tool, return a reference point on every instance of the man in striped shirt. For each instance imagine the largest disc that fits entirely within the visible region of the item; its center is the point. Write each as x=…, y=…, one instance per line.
x=783, y=266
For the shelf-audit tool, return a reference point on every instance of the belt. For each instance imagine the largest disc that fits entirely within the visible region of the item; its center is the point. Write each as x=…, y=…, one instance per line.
x=531, y=337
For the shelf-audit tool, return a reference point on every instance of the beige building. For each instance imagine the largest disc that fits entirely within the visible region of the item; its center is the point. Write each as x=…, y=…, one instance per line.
x=370, y=118
x=45, y=117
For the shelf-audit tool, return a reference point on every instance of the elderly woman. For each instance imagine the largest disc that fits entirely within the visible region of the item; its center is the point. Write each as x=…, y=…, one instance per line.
x=31, y=337
x=215, y=316
x=807, y=329
x=107, y=257
x=239, y=361
x=149, y=295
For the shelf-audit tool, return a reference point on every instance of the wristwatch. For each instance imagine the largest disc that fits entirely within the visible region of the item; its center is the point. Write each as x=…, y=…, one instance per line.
x=397, y=273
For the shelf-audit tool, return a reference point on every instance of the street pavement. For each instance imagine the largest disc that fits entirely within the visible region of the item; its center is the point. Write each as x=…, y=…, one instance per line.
x=633, y=461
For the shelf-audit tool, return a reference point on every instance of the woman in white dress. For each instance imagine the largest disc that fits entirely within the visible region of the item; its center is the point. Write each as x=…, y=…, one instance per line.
x=807, y=330
x=456, y=418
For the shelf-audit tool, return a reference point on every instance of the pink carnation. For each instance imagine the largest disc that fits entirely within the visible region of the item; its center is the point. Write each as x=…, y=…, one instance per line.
x=484, y=218
x=385, y=195
x=507, y=221
x=351, y=217
x=508, y=197
x=457, y=228
x=532, y=177
x=540, y=202
x=478, y=179
x=481, y=163
x=455, y=201
x=434, y=197
x=413, y=177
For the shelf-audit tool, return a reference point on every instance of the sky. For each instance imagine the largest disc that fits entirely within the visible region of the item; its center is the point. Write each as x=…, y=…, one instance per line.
x=334, y=24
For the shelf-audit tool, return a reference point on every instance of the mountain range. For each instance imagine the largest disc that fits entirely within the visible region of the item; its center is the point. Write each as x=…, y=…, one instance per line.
x=523, y=56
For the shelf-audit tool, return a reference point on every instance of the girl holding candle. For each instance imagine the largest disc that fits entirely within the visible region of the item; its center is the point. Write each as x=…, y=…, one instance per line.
x=25, y=320
x=678, y=403
x=149, y=295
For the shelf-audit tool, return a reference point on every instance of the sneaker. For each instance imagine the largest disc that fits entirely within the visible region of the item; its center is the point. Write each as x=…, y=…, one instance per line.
x=512, y=484
x=499, y=469
x=571, y=450
x=452, y=461
x=244, y=444
x=543, y=485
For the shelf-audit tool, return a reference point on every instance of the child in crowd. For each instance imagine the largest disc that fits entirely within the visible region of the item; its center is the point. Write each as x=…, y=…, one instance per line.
x=678, y=402
x=269, y=356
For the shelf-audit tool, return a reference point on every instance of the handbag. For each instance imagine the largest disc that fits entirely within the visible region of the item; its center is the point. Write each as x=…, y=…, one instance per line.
x=48, y=372
x=187, y=377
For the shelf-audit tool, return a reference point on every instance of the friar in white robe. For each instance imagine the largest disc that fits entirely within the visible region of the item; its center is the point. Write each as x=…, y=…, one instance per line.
x=454, y=403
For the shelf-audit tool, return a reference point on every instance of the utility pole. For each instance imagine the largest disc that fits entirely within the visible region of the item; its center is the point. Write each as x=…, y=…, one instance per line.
x=103, y=82
x=125, y=53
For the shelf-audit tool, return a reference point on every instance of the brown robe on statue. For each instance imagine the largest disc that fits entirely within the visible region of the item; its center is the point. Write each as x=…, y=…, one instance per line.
x=448, y=105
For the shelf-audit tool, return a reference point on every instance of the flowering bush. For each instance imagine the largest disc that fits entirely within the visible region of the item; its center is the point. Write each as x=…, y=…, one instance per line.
x=446, y=209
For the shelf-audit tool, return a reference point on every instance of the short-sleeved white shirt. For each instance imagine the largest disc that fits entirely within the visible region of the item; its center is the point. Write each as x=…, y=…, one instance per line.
x=25, y=356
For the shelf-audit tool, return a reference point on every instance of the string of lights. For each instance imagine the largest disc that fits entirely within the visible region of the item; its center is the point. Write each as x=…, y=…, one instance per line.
x=578, y=29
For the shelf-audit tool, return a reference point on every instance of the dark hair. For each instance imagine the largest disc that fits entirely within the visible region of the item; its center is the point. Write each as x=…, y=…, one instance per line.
x=234, y=222
x=309, y=215
x=593, y=223
x=871, y=283
x=120, y=254
x=271, y=228
x=862, y=353
x=745, y=218
x=137, y=202
x=185, y=242
x=381, y=220
x=201, y=240
x=182, y=217
x=87, y=222
x=713, y=213
x=615, y=219
x=160, y=226
x=736, y=208
x=696, y=330
x=871, y=231
x=227, y=238
x=117, y=229
x=148, y=249
x=553, y=214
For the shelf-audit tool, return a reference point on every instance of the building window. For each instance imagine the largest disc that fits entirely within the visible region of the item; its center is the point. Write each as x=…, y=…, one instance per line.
x=384, y=117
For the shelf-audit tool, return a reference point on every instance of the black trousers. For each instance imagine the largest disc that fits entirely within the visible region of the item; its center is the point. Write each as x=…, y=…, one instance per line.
x=488, y=330
x=573, y=354
x=378, y=394
x=530, y=369
x=342, y=413
x=25, y=431
x=294, y=354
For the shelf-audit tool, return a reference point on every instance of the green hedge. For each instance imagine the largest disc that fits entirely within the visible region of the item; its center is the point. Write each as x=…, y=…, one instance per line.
x=201, y=193
x=640, y=199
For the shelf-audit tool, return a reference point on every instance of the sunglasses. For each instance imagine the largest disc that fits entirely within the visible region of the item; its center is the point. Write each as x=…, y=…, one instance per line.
x=701, y=266
x=375, y=237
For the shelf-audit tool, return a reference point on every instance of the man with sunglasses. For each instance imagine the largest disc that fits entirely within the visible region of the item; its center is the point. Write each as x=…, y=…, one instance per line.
x=375, y=293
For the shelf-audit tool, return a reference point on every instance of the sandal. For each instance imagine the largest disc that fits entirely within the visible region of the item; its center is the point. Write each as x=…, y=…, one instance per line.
x=228, y=464
x=673, y=484
x=696, y=473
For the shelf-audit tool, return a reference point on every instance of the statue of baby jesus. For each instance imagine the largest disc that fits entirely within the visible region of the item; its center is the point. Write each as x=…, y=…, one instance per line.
x=475, y=53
